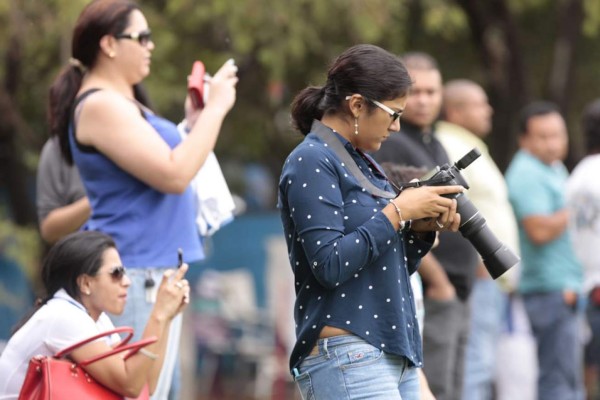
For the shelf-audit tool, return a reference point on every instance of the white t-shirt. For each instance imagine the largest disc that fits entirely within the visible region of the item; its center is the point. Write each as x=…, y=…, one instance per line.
x=58, y=324
x=417, y=289
x=583, y=202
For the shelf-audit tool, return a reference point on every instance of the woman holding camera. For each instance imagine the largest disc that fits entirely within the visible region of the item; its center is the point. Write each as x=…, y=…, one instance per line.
x=351, y=248
x=135, y=167
x=84, y=278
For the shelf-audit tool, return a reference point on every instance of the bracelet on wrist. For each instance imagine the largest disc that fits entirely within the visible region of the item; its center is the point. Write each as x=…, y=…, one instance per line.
x=401, y=222
x=149, y=354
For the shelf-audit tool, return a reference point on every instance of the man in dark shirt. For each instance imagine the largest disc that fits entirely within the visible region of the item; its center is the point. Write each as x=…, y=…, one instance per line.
x=448, y=272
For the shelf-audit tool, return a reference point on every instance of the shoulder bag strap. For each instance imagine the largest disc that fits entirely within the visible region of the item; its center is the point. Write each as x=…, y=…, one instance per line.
x=327, y=135
x=123, y=329
x=119, y=348
x=134, y=347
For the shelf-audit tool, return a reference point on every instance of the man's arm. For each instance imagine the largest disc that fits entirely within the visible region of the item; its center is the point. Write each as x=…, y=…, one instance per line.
x=435, y=278
x=542, y=229
x=64, y=220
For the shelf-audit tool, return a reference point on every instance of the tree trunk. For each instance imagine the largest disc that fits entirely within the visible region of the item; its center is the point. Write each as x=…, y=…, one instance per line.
x=13, y=174
x=560, y=84
x=570, y=17
x=495, y=36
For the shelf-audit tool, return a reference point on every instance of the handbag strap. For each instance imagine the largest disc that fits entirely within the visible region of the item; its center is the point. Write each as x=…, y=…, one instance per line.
x=122, y=329
x=134, y=347
x=119, y=348
x=327, y=135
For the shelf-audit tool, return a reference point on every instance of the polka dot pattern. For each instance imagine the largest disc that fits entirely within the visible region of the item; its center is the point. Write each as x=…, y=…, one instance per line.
x=335, y=229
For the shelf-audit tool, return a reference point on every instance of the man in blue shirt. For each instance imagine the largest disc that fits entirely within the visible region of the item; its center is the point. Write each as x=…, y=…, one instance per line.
x=551, y=280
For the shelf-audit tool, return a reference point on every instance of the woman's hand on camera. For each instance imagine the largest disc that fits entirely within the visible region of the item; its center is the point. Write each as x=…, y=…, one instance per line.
x=173, y=293
x=449, y=220
x=221, y=91
x=428, y=209
x=426, y=201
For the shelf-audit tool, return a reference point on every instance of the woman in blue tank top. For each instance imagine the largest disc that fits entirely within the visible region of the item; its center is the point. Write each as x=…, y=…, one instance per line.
x=135, y=168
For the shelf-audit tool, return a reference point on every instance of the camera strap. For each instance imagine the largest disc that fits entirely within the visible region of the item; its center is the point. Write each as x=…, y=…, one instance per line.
x=327, y=135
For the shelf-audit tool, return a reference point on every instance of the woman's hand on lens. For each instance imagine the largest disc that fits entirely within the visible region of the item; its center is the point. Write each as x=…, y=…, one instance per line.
x=221, y=91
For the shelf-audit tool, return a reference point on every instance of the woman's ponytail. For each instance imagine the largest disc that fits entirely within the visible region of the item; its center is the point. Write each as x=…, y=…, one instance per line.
x=307, y=107
x=61, y=98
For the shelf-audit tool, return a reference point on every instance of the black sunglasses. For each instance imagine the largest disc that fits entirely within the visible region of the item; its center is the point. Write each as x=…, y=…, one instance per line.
x=117, y=273
x=143, y=37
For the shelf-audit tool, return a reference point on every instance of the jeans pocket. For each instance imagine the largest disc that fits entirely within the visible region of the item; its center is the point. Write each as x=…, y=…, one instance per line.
x=305, y=386
x=358, y=356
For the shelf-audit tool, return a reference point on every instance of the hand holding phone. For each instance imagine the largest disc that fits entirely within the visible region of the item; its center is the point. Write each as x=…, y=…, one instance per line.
x=221, y=85
x=198, y=85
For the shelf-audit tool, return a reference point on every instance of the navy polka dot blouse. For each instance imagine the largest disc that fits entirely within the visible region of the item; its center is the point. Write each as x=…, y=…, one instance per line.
x=351, y=267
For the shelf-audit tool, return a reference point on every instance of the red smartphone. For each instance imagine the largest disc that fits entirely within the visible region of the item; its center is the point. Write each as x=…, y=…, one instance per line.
x=196, y=84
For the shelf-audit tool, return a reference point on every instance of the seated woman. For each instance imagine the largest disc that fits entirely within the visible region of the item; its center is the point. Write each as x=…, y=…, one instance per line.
x=83, y=278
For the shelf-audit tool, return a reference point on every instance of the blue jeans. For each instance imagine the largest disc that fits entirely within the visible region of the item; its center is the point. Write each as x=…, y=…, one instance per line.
x=136, y=314
x=346, y=367
x=556, y=328
x=592, y=350
x=486, y=303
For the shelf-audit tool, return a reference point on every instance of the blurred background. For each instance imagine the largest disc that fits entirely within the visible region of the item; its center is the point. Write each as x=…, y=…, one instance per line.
x=518, y=50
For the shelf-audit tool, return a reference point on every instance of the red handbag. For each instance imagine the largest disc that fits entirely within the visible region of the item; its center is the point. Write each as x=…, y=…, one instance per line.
x=55, y=378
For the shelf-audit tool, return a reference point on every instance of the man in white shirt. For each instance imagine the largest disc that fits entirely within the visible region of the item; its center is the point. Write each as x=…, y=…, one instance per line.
x=467, y=121
x=583, y=202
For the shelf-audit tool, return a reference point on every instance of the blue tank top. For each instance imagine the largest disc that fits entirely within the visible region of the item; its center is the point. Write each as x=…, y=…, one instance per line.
x=148, y=226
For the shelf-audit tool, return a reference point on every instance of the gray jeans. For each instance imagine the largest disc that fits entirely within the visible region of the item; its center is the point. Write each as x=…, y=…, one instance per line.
x=444, y=345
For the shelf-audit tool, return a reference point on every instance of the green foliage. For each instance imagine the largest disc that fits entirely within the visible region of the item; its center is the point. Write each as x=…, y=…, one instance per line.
x=445, y=19
x=279, y=46
x=523, y=6
x=21, y=244
x=591, y=23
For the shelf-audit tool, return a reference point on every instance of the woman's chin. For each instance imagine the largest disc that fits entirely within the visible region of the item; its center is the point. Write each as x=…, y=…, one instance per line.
x=373, y=147
x=117, y=309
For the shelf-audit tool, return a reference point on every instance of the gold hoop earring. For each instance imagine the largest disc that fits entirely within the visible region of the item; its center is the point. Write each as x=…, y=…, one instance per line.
x=356, y=125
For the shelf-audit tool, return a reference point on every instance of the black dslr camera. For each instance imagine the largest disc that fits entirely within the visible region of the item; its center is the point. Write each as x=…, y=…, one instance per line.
x=496, y=256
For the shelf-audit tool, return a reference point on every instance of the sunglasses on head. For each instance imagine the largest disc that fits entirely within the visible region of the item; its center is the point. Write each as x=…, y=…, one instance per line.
x=143, y=37
x=117, y=272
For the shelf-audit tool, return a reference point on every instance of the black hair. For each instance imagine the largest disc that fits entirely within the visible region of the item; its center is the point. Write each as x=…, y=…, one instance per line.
x=590, y=124
x=363, y=69
x=76, y=254
x=98, y=18
x=535, y=109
